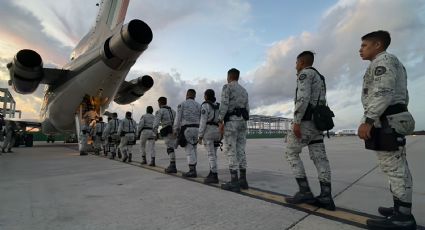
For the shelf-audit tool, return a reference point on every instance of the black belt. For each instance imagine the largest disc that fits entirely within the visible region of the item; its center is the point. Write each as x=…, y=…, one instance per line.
x=191, y=126
x=128, y=132
x=149, y=128
x=394, y=109
x=212, y=123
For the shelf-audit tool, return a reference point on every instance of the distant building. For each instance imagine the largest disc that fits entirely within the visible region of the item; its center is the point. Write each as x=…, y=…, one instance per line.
x=8, y=109
x=346, y=132
x=259, y=124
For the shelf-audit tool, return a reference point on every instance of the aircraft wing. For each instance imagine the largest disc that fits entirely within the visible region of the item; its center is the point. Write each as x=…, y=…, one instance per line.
x=25, y=123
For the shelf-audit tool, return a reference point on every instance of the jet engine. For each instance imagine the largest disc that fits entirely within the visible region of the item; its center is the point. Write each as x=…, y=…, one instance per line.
x=26, y=71
x=122, y=49
x=133, y=90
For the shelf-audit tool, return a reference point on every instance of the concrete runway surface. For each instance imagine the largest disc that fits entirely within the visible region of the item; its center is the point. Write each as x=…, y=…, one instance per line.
x=50, y=186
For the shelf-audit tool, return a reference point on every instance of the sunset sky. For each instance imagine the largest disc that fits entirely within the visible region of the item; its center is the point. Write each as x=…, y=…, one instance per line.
x=196, y=42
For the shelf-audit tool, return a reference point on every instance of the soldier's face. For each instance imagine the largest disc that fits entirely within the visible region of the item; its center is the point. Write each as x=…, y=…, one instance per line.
x=369, y=49
x=298, y=65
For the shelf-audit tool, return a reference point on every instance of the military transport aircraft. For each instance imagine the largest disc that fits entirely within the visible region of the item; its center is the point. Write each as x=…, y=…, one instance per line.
x=94, y=76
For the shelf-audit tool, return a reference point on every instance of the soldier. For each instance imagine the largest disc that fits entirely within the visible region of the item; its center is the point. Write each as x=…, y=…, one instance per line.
x=111, y=134
x=309, y=93
x=209, y=133
x=9, y=136
x=97, y=133
x=165, y=117
x=127, y=131
x=233, y=116
x=186, y=125
x=384, y=125
x=147, y=136
x=88, y=124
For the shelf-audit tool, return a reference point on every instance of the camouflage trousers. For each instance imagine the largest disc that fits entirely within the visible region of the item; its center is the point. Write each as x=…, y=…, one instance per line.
x=98, y=143
x=125, y=148
x=312, y=138
x=147, y=143
x=234, y=143
x=170, y=143
x=8, y=141
x=191, y=135
x=212, y=154
x=394, y=165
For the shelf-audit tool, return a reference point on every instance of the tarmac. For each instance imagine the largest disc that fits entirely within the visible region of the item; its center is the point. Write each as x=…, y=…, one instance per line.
x=50, y=186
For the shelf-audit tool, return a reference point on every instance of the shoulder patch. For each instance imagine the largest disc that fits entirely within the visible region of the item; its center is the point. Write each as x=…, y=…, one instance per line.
x=380, y=70
x=203, y=111
x=302, y=76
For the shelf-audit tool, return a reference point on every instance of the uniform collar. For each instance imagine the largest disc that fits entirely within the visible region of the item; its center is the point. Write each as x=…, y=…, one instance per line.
x=381, y=53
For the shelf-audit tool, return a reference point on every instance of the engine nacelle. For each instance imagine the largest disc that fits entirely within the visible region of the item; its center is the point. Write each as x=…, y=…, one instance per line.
x=26, y=71
x=124, y=47
x=133, y=90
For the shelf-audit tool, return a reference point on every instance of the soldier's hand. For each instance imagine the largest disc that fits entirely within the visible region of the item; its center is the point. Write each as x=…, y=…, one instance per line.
x=200, y=140
x=297, y=130
x=364, y=131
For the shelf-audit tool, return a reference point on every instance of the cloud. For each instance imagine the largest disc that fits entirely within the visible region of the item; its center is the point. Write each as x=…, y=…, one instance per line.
x=336, y=43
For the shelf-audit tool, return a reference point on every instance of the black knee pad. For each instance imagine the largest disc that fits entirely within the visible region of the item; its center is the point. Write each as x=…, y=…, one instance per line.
x=170, y=150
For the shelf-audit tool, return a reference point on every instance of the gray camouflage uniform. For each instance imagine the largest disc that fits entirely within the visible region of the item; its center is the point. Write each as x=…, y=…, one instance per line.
x=128, y=126
x=9, y=137
x=188, y=113
x=210, y=132
x=147, y=136
x=111, y=134
x=234, y=96
x=385, y=84
x=165, y=117
x=309, y=87
x=97, y=134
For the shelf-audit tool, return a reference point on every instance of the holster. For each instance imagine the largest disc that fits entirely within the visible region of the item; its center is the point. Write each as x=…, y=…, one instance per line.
x=385, y=138
x=181, y=137
x=166, y=130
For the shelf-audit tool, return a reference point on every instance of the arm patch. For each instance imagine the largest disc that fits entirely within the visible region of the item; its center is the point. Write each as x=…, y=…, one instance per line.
x=302, y=76
x=380, y=70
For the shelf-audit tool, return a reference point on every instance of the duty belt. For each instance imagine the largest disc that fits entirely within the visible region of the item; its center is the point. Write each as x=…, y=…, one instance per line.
x=394, y=109
x=146, y=128
x=191, y=126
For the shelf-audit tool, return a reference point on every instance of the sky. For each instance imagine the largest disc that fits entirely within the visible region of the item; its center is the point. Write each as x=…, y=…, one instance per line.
x=196, y=42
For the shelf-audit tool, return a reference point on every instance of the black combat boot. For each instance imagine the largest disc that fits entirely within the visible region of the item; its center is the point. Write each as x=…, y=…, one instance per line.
x=384, y=211
x=2, y=150
x=324, y=200
x=9, y=150
x=191, y=173
x=171, y=168
x=401, y=219
x=152, y=162
x=304, y=195
x=233, y=184
x=112, y=156
x=119, y=154
x=242, y=179
x=125, y=157
x=130, y=156
x=212, y=178
x=143, y=160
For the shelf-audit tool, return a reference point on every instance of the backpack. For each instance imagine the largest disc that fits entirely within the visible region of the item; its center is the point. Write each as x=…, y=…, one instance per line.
x=322, y=114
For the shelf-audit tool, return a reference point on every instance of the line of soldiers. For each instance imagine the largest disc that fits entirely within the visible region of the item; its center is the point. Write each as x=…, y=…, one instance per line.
x=384, y=125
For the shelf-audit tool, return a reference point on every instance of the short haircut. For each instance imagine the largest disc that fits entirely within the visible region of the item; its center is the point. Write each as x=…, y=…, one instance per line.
x=100, y=119
x=128, y=114
x=191, y=93
x=114, y=115
x=307, y=56
x=381, y=35
x=149, y=109
x=234, y=73
x=162, y=100
x=210, y=95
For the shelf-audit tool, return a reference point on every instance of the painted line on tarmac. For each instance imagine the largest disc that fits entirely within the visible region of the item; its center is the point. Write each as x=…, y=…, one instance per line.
x=341, y=215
